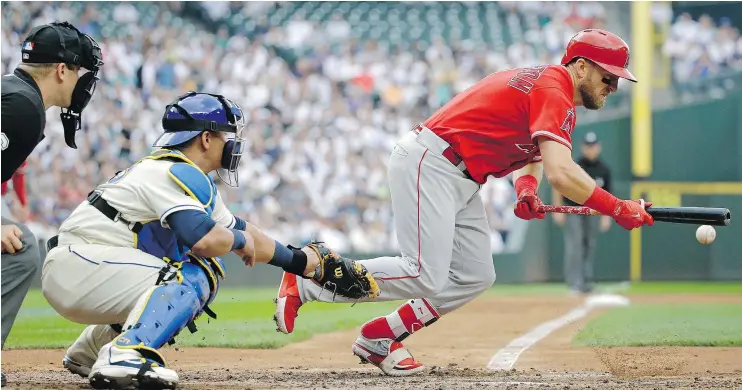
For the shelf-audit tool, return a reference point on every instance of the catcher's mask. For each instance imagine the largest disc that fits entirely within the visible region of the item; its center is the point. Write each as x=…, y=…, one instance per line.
x=71, y=47
x=195, y=112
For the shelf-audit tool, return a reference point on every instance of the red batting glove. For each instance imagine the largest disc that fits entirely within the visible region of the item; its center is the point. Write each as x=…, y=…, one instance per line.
x=631, y=214
x=528, y=204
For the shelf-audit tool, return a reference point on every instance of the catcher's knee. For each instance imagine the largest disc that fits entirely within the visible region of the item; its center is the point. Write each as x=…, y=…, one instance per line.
x=164, y=310
x=204, y=275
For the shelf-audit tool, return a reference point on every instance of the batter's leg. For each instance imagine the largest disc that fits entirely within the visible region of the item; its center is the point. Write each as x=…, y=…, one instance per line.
x=472, y=267
x=427, y=192
x=18, y=271
x=472, y=272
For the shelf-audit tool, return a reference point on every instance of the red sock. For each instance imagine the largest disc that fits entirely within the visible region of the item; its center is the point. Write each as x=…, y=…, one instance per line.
x=412, y=316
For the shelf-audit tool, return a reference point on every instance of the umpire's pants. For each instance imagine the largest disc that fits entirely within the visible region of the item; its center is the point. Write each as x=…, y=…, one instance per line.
x=18, y=271
x=580, y=233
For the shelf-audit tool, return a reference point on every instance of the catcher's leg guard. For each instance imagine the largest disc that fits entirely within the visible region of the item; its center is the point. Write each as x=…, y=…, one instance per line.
x=132, y=359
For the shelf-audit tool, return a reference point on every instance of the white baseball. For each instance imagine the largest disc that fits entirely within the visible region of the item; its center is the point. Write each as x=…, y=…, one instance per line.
x=705, y=234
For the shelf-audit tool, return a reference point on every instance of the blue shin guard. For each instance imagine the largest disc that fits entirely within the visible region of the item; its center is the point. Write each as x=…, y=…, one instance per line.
x=164, y=310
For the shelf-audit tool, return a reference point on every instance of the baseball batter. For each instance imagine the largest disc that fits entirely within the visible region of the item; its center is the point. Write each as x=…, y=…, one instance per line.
x=518, y=121
x=140, y=255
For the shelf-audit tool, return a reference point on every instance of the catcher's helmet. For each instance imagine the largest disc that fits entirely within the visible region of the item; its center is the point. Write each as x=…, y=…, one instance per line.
x=193, y=113
x=602, y=47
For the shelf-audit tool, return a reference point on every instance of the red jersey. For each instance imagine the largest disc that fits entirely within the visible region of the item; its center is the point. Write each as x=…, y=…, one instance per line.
x=493, y=125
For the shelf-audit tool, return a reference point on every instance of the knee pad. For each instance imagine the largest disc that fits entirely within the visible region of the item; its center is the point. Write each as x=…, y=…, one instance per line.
x=164, y=310
x=213, y=267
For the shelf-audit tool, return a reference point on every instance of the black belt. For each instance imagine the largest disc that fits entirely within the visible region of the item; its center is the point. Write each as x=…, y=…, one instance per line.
x=450, y=155
x=95, y=200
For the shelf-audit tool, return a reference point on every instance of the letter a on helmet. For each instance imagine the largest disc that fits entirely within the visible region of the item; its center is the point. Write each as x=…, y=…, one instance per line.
x=602, y=47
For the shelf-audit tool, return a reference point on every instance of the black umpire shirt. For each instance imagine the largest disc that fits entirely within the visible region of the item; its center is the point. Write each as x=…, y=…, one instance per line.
x=23, y=120
x=598, y=171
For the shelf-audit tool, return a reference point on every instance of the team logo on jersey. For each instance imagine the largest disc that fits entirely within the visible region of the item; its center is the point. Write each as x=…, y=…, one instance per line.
x=569, y=122
x=5, y=141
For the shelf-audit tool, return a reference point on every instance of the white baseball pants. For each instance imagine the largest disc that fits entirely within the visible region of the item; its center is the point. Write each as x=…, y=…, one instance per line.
x=96, y=284
x=441, y=228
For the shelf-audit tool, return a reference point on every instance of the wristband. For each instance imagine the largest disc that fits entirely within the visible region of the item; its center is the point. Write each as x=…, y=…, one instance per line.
x=525, y=182
x=282, y=256
x=240, y=224
x=239, y=239
x=289, y=259
x=602, y=201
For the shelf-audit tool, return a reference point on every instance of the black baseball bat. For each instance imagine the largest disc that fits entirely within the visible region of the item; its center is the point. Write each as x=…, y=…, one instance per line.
x=713, y=216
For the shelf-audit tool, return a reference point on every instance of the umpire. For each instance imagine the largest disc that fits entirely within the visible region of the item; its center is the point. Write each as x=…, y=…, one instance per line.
x=580, y=231
x=48, y=75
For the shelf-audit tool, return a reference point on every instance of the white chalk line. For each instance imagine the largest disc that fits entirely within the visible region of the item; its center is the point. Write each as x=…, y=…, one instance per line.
x=506, y=357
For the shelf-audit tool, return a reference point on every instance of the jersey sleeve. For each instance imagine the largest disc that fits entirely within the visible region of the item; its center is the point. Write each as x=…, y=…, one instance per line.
x=221, y=213
x=22, y=129
x=551, y=115
x=165, y=196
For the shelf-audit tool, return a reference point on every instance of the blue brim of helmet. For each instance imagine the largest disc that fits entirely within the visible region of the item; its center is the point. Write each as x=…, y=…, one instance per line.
x=175, y=138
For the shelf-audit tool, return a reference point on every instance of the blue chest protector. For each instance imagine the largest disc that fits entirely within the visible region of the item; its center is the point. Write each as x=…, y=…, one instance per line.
x=162, y=242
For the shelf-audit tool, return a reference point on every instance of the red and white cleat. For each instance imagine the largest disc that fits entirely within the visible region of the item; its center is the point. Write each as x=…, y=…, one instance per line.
x=390, y=356
x=288, y=303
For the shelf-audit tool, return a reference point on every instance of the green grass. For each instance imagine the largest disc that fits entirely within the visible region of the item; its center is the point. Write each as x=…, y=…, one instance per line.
x=686, y=287
x=245, y=315
x=245, y=320
x=709, y=324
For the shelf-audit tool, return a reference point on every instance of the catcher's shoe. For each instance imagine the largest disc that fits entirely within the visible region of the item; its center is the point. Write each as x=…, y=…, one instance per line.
x=81, y=355
x=76, y=367
x=288, y=303
x=118, y=368
x=390, y=356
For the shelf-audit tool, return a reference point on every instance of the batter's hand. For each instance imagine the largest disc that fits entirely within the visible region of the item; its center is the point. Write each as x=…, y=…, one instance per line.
x=631, y=214
x=11, y=239
x=528, y=204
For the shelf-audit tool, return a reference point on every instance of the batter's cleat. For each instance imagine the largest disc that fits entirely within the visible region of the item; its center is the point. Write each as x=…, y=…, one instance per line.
x=76, y=368
x=390, y=356
x=118, y=368
x=288, y=303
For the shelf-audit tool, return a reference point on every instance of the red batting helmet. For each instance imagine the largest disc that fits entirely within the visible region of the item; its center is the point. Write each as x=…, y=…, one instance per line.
x=604, y=48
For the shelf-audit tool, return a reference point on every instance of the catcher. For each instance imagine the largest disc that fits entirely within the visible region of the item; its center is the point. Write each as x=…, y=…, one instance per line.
x=140, y=255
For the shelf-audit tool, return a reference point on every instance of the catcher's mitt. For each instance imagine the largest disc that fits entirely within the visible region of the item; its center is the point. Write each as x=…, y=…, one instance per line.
x=345, y=277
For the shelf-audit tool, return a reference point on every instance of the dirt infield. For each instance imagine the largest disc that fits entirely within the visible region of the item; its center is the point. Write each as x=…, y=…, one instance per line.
x=457, y=350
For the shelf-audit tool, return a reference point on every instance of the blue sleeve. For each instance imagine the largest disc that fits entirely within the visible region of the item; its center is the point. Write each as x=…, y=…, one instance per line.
x=239, y=223
x=190, y=225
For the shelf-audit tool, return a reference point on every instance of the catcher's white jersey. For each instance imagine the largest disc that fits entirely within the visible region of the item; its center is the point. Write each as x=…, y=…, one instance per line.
x=100, y=267
x=147, y=192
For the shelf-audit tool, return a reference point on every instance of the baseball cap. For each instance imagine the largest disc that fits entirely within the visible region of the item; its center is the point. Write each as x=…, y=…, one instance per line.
x=60, y=42
x=590, y=139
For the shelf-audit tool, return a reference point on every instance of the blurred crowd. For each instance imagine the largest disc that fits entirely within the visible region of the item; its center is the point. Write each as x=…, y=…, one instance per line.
x=703, y=48
x=321, y=124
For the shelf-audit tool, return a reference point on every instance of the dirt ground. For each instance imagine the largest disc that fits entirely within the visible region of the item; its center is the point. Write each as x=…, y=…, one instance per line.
x=457, y=350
